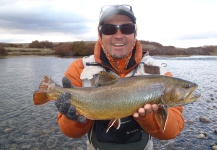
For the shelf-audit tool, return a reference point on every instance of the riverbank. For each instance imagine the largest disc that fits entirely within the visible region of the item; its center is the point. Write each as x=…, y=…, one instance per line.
x=84, y=48
x=12, y=51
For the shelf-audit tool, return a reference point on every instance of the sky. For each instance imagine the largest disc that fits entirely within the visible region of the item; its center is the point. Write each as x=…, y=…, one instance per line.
x=179, y=23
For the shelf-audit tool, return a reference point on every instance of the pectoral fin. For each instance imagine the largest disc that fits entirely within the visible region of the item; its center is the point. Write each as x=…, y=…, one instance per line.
x=115, y=123
x=161, y=117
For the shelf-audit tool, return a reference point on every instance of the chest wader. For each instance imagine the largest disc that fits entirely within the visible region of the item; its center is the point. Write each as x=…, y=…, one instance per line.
x=129, y=136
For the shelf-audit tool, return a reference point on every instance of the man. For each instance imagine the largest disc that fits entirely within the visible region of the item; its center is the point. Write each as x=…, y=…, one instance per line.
x=119, y=52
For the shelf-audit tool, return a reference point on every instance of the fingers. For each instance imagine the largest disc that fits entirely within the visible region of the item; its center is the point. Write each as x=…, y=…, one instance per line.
x=147, y=109
x=66, y=83
x=71, y=114
x=81, y=119
x=64, y=107
x=63, y=102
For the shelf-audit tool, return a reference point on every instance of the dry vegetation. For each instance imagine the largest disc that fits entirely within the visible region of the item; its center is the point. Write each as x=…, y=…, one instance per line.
x=83, y=48
x=157, y=49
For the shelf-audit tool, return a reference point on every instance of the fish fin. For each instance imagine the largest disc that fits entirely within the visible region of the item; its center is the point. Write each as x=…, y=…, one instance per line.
x=106, y=78
x=115, y=123
x=161, y=117
x=40, y=96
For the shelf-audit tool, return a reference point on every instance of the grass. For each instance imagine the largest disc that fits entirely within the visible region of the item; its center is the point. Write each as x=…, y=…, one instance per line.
x=29, y=51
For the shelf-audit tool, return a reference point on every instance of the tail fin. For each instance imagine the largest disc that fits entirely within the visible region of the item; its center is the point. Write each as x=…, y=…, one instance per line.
x=40, y=96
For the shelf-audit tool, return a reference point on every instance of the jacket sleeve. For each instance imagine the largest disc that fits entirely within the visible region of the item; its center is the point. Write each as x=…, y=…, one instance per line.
x=174, y=124
x=69, y=127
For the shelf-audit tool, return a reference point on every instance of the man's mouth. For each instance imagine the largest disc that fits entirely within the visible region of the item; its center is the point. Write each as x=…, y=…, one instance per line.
x=118, y=45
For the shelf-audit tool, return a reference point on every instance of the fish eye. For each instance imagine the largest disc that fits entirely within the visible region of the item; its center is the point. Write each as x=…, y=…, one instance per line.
x=187, y=85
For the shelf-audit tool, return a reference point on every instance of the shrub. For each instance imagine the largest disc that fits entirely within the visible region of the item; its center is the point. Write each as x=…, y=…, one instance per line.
x=79, y=48
x=63, y=49
x=3, y=52
x=42, y=44
x=151, y=43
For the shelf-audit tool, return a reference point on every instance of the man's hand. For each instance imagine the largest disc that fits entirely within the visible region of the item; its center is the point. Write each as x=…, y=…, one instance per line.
x=147, y=109
x=64, y=106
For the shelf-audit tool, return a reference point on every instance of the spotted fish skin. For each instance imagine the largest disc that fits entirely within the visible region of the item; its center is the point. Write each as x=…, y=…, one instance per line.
x=113, y=98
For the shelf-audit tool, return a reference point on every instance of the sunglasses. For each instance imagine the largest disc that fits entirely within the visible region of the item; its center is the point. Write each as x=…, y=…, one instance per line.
x=109, y=8
x=111, y=29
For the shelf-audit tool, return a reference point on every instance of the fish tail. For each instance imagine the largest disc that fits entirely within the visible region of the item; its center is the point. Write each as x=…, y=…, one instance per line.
x=40, y=96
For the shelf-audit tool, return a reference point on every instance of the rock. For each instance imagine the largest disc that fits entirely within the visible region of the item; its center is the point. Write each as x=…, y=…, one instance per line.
x=205, y=119
x=201, y=136
x=214, y=147
x=6, y=130
x=26, y=146
x=208, y=101
x=215, y=131
x=209, y=108
x=190, y=122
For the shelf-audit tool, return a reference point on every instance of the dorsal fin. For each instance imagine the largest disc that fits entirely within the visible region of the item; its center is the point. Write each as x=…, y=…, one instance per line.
x=106, y=78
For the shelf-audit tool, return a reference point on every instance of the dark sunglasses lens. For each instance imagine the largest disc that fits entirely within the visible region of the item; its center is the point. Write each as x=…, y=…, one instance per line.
x=127, y=28
x=108, y=29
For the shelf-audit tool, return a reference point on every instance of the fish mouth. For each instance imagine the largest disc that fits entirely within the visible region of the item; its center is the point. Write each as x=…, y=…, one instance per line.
x=191, y=96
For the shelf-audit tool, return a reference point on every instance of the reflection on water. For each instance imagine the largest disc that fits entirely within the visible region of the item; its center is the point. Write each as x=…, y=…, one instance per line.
x=25, y=126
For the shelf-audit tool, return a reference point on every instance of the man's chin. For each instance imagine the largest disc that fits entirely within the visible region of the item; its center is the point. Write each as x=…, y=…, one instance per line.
x=117, y=56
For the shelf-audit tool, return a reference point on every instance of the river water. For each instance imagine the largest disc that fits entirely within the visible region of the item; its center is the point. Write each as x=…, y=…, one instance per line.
x=26, y=126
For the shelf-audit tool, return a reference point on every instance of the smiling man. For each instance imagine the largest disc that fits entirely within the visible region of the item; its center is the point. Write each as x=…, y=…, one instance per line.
x=119, y=52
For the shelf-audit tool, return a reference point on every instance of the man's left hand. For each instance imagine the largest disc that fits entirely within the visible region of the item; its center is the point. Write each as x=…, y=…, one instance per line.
x=147, y=109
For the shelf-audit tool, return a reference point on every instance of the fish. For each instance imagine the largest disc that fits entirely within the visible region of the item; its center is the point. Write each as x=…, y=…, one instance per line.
x=112, y=98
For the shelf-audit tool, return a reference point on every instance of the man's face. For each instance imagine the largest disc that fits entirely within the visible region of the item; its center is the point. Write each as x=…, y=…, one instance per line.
x=118, y=45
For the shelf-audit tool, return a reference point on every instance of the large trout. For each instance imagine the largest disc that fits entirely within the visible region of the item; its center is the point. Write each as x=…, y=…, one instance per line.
x=113, y=98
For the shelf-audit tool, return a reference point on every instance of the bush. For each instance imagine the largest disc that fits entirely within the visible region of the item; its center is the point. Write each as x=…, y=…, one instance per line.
x=3, y=52
x=42, y=44
x=63, y=49
x=79, y=48
x=90, y=48
x=151, y=43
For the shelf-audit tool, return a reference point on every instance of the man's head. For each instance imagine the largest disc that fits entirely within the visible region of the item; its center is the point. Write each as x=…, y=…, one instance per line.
x=117, y=30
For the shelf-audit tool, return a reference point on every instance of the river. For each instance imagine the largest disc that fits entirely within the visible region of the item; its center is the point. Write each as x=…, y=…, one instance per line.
x=26, y=126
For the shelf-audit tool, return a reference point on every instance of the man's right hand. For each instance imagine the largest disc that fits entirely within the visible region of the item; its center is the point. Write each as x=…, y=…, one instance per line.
x=64, y=106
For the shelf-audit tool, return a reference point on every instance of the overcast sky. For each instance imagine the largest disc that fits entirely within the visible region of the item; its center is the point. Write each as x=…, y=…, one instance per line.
x=181, y=23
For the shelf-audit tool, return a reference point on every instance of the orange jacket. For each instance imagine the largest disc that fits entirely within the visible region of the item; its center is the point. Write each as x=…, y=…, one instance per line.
x=175, y=122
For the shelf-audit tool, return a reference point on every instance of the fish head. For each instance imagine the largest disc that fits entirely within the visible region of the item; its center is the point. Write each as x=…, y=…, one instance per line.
x=179, y=92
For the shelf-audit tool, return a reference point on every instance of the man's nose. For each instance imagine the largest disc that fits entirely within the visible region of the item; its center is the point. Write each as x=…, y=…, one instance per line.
x=118, y=33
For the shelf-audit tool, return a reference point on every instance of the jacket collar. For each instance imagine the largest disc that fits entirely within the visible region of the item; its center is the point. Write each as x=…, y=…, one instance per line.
x=123, y=66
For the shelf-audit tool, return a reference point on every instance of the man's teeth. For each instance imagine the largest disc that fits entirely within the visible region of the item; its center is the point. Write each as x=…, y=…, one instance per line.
x=118, y=44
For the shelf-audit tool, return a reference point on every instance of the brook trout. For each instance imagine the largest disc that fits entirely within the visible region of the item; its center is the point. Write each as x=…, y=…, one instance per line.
x=113, y=98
